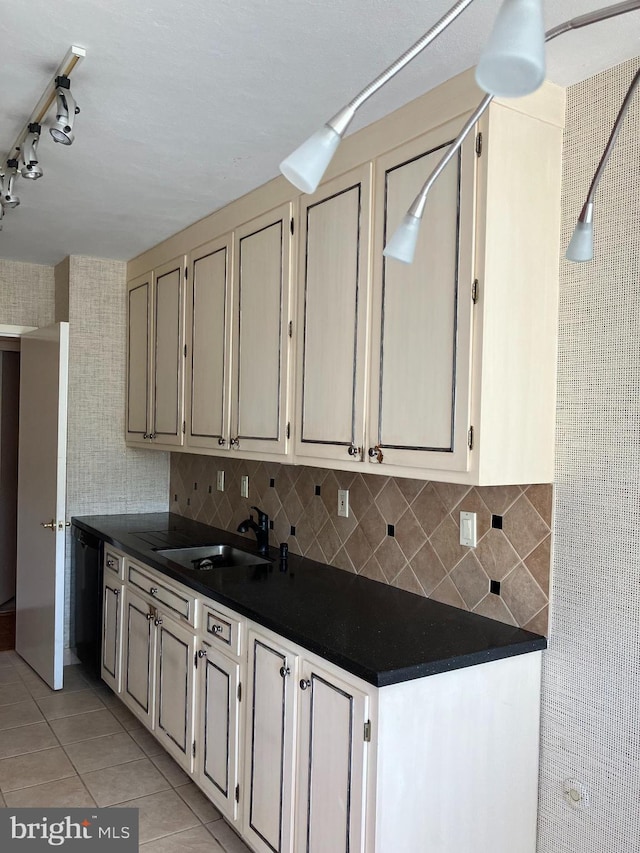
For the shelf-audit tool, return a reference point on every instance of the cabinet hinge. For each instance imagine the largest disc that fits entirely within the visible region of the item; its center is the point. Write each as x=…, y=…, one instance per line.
x=479, y=144
x=184, y=426
x=290, y=328
x=193, y=749
x=186, y=273
x=237, y=793
x=289, y=430
x=239, y=692
x=292, y=225
x=185, y=350
x=367, y=731
x=474, y=291
x=470, y=438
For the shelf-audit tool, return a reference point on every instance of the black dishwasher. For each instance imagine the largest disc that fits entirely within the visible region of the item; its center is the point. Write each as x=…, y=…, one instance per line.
x=86, y=595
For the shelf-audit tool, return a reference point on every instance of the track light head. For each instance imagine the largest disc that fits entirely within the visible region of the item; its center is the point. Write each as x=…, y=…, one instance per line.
x=66, y=112
x=9, y=199
x=30, y=168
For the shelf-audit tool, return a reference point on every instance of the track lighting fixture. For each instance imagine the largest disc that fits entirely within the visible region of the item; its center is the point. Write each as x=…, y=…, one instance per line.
x=9, y=199
x=22, y=159
x=66, y=112
x=402, y=244
x=29, y=166
x=580, y=247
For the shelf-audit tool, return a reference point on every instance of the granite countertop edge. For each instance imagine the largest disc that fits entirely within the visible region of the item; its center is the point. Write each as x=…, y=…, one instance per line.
x=366, y=655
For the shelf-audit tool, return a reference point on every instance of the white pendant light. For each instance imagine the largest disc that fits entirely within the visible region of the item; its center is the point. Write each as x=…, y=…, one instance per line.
x=580, y=248
x=402, y=245
x=513, y=62
x=305, y=167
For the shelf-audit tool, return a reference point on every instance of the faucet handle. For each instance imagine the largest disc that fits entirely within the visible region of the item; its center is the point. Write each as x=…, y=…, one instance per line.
x=263, y=518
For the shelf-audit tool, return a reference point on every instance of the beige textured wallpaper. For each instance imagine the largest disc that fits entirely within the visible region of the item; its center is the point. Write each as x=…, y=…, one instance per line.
x=399, y=531
x=27, y=294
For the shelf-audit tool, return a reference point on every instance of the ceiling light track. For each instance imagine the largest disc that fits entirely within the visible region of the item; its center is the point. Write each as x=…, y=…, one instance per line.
x=22, y=158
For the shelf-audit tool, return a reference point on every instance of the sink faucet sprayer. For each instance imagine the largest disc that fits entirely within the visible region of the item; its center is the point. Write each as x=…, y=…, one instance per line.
x=261, y=529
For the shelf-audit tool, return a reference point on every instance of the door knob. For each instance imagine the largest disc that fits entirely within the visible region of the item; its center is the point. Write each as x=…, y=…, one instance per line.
x=50, y=525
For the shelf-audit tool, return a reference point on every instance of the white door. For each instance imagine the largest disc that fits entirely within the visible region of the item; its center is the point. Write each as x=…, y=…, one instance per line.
x=42, y=465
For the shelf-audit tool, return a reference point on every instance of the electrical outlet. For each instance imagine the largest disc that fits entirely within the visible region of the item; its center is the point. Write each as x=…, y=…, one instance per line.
x=220, y=481
x=244, y=486
x=468, y=535
x=343, y=503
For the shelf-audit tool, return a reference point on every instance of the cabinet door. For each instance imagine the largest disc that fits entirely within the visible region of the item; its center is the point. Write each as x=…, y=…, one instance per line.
x=332, y=764
x=269, y=769
x=332, y=317
x=262, y=287
x=421, y=332
x=168, y=353
x=139, y=639
x=209, y=345
x=217, y=742
x=138, y=354
x=175, y=689
x=112, y=607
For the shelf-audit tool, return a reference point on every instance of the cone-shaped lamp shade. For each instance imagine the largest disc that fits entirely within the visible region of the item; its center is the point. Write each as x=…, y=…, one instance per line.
x=580, y=247
x=402, y=246
x=513, y=62
x=308, y=163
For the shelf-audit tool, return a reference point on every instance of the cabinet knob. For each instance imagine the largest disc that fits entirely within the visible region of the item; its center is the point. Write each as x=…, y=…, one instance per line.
x=221, y=441
x=110, y=564
x=152, y=435
x=304, y=683
x=217, y=629
x=116, y=592
x=146, y=435
x=376, y=453
x=235, y=442
x=284, y=671
x=153, y=590
x=202, y=653
x=149, y=617
x=354, y=451
x=157, y=622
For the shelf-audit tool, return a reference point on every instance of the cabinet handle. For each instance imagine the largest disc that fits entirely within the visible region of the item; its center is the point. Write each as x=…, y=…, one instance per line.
x=110, y=564
x=235, y=442
x=354, y=451
x=221, y=441
x=217, y=629
x=152, y=435
x=376, y=452
x=116, y=592
x=153, y=590
x=149, y=617
x=146, y=435
x=304, y=683
x=202, y=653
x=284, y=671
x=157, y=622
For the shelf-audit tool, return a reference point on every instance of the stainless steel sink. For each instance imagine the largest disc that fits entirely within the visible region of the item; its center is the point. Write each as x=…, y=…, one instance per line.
x=207, y=557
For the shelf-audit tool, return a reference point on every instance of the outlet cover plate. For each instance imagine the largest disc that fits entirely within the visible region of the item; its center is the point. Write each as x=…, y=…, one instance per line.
x=468, y=534
x=220, y=481
x=343, y=503
x=244, y=486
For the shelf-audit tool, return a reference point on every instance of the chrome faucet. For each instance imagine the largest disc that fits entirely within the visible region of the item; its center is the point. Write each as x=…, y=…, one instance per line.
x=261, y=529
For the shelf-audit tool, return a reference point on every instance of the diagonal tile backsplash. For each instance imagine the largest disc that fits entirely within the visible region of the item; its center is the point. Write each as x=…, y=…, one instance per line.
x=402, y=532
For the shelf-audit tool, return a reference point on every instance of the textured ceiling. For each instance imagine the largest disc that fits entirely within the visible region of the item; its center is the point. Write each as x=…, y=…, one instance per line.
x=188, y=104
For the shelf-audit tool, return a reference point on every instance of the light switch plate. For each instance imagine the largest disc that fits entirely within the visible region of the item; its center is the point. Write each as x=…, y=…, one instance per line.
x=220, y=481
x=244, y=486
x=343, y=503
x=468, y=535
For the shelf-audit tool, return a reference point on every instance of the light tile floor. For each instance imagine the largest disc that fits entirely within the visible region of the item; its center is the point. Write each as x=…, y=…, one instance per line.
x=80, y=746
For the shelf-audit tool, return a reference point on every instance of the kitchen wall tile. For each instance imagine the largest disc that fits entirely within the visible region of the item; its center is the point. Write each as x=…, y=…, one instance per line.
x=423, y=556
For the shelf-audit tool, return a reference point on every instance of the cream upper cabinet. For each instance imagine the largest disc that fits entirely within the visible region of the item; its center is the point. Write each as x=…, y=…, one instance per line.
x=419, y=413
x=155, y=359
x=333, y=300
x=261, y=344
x=209, y=325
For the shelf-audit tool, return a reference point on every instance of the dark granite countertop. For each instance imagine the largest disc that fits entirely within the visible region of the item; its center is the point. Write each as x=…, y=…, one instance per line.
x=377, y=632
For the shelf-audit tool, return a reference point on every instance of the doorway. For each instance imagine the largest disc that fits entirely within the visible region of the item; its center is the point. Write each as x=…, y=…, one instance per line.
x=9, y=408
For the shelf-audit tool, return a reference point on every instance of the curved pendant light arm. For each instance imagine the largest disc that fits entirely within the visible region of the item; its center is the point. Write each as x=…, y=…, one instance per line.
x=342, y=119
x=606, y=154
x=417, y=208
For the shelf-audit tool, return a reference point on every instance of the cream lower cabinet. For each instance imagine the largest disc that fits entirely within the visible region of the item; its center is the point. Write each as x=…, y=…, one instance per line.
x=305, y=762
x=138, y=657
x=112, y=611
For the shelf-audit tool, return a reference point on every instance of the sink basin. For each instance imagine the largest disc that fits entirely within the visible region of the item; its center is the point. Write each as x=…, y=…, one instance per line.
x=207, y=557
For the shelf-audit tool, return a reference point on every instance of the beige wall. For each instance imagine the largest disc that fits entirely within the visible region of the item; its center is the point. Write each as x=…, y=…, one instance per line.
x=591, y=687
x=27, y=294
x=399, y=531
